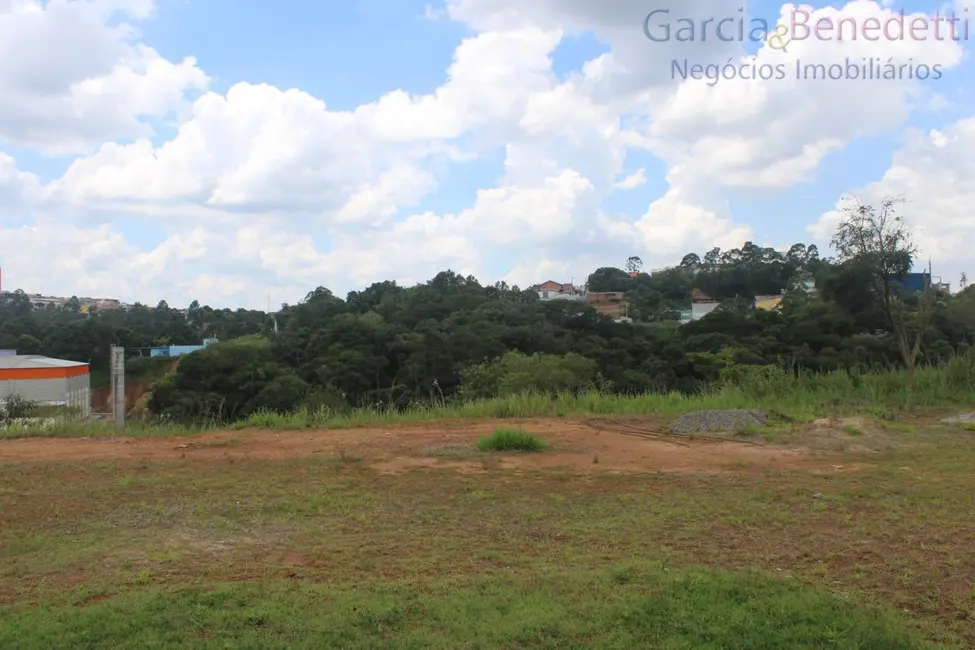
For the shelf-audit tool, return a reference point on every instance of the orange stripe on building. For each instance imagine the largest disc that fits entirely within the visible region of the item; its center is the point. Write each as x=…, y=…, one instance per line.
x=19, y=374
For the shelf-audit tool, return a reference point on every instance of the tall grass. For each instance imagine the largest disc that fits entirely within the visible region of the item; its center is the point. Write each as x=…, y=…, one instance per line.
x=506, y=439
x=801, y=396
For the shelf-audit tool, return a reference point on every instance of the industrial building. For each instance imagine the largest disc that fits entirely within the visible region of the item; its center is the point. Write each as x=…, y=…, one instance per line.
x=46, y=381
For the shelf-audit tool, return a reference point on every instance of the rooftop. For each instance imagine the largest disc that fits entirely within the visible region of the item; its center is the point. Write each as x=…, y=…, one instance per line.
x=35, y=361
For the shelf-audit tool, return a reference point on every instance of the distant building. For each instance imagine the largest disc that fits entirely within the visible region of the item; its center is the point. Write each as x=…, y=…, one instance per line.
x=41, y=302
x=105, y=304
x=552, y=290
x=917, y=282
x=46, y=381
x=768, y=302
x=179, y=350
x=702, y=304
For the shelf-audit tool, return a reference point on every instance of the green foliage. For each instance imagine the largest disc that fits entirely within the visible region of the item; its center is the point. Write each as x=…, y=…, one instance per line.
x=144, y=368
x=505, y=439
x=519, y=373
x=15, y=407
x=391, y=349
x=228, y=380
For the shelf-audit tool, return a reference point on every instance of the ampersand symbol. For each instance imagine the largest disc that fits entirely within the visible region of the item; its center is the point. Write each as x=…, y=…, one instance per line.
x=778, y=38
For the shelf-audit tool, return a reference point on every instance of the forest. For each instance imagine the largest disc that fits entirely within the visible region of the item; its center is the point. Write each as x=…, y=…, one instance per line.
x=453, y=338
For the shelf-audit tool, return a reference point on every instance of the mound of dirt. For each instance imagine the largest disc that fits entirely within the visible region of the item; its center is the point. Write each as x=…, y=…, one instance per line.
x=705, y=421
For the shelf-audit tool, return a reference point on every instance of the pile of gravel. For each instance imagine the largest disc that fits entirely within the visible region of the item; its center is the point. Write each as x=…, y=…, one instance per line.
x=961, y=418
x=705, y=421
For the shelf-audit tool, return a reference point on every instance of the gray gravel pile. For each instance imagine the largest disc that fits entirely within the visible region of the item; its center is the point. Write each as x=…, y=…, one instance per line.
x=961, y=418
x=705, y=421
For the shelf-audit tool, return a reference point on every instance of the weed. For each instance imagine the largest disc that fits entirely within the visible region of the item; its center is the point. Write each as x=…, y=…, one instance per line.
x=503, y=439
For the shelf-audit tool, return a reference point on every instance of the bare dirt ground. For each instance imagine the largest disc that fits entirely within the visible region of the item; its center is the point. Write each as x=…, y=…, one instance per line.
x=443, y=444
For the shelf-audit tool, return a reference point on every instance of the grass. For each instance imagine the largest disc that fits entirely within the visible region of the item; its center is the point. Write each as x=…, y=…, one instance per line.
x=506, y=439
x=800, y=397
x=634, y=606
x=236, y=551
x=314, y=552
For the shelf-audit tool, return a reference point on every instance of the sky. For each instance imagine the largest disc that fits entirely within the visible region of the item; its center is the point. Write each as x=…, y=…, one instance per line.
x=246, y=152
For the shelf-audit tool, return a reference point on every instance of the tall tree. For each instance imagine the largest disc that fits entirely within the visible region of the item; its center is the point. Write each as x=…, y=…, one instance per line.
x=878, y=240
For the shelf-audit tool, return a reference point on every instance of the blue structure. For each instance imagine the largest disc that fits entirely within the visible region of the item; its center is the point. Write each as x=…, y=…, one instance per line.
x=179, y=350
x=914, y=282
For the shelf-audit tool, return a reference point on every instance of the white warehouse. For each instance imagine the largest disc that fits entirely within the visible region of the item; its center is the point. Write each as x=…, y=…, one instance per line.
x=46, y=381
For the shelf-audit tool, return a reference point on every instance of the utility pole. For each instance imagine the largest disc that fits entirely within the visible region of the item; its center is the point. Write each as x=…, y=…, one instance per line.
x=118, y=385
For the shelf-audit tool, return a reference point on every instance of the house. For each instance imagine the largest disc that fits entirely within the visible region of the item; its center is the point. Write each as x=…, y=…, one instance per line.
x=552, y=290
x=702, y=304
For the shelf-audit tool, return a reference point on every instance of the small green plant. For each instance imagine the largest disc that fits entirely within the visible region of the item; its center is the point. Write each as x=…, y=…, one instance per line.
x=15, y=407
x=511, y=440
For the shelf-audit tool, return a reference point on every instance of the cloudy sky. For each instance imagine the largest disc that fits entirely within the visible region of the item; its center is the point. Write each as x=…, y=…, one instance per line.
x=232, y=150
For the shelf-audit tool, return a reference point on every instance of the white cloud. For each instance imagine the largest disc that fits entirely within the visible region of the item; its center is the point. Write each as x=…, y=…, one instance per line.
x=775, y=133
x=70, y=81
x=934, y=174
x=17, y=189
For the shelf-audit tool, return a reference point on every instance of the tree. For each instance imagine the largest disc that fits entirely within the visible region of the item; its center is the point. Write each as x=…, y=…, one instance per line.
x=691, y=262
x=608, y=279
x=878, y=241
x=634, y=264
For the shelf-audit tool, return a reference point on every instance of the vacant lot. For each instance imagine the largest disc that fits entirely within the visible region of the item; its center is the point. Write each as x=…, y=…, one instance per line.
x=852, y=534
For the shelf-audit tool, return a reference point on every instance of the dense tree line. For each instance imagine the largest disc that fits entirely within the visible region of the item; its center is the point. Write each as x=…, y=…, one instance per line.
x=68, y=333
x=453, y=338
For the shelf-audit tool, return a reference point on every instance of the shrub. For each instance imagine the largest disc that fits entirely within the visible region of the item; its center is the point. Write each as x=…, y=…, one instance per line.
x=516, y=373
x=511, y=440
x=15, y=407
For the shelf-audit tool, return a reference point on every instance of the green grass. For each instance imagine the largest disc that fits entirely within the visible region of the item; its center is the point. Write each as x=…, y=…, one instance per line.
x=506, y=439
x=802, y=397
x=626, y=607
x=325, y=551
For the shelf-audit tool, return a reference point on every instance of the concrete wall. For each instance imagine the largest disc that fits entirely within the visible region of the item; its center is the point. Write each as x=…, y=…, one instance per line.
x=701, y=309
x=554, y=295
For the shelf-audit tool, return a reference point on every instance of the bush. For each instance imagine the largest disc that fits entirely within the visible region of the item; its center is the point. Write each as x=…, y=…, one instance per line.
x=511, y=440
x=15, y=407
x=516, y=373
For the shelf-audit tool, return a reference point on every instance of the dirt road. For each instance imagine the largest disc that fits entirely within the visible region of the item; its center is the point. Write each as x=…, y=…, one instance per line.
x=447, y=444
